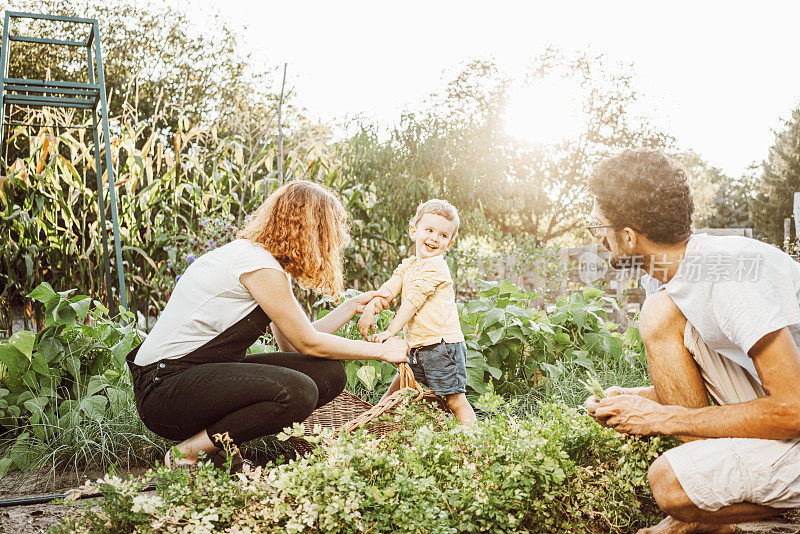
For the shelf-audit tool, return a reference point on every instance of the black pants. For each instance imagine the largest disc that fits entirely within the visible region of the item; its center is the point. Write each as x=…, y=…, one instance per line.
x=219, y=389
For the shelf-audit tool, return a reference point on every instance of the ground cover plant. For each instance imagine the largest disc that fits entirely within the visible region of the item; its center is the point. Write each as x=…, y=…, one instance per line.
x=554, y=472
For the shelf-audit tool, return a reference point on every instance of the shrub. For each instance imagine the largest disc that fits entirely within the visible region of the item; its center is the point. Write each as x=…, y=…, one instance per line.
x=65, y=390
x=557, y=472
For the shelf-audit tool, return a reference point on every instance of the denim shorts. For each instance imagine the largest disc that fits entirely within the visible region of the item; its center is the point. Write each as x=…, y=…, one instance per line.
x=442, y=367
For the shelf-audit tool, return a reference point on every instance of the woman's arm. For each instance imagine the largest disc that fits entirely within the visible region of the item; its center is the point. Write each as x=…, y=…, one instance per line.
x=334, y=320
x=273, y=292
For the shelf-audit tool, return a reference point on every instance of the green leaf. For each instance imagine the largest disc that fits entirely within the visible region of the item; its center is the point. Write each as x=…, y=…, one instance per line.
x=50, y=349
x=95, y=385
x=23, y=342
x=592, y=293
x=64, y=314
x=475, y=380
x=495, y=372
x=563, y=338
x=39, y=364
x=495, y=334
x=5, y=464
x=94, y=407
x=507, y=288
x=582, y=359
x=579, y=316
x=36, y=405
x=14, y=360
x=492, y=317
x=29, y=379
x=81, y=305
x=42, y=293
x=367, y=375
x=121, y=349
x=73, y=365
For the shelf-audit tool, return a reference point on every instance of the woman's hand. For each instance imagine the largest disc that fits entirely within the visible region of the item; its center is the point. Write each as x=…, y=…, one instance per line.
x=361, y=301
x=394, y=350
x=381, y=337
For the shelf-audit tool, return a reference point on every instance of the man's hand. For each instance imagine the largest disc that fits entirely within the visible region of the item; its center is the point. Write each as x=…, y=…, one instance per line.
x=381, y=337
x=631, y=414
x=592, y=403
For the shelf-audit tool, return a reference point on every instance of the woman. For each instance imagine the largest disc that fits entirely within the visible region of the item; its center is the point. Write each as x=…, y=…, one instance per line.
x=191, y=377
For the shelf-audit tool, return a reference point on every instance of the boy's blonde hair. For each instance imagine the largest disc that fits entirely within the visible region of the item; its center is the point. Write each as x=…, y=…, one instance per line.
x=437, y=207
x=305, y=227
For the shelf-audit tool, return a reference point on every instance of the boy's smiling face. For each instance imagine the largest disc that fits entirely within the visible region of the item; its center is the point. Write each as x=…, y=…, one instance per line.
x=433, y=235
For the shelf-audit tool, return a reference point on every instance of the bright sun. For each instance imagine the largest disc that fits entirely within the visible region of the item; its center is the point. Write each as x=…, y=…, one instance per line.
x=546, y=111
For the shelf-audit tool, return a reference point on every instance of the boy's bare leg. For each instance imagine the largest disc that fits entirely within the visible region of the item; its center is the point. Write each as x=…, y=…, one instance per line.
x=462, y=408
x=394, y=386
x=677, y=381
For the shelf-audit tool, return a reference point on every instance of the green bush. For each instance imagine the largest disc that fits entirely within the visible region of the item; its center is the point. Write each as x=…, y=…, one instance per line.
x=517, y=347
x=557, y=472
x=66, y=385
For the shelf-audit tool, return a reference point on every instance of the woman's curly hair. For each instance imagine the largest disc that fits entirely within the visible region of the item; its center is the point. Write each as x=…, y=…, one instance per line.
x=305, y=227
x=645, y=190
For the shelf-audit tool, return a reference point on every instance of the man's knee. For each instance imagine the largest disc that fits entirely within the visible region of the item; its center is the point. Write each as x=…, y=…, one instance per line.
x=668, y=492
x=660, y=319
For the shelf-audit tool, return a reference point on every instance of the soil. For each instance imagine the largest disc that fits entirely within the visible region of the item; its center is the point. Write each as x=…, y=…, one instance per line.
x=787, y=524
x=39, y=518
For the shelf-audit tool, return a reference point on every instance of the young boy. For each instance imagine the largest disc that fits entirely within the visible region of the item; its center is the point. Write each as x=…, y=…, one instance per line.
x=428, y=312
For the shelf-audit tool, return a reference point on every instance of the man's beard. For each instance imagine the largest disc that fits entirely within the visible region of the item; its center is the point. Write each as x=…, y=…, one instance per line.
x=618, y=261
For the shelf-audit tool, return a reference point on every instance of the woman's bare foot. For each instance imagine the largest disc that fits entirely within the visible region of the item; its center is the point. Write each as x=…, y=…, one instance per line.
x=671, y=525
x=175, y=460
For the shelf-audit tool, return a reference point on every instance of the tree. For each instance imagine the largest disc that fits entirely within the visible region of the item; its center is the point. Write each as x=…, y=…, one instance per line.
x=779, y=180
x=457, y=147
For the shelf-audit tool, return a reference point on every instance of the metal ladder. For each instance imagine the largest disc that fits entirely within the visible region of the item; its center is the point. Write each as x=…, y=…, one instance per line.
x=90, y=95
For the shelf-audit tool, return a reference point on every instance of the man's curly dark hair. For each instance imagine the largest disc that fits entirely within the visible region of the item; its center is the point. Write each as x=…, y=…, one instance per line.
x=646, y=191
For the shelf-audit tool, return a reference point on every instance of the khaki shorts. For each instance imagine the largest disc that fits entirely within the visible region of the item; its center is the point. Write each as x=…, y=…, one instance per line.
x=719, y=472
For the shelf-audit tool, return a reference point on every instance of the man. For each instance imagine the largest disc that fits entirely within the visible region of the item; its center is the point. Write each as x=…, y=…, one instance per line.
x=723, y=321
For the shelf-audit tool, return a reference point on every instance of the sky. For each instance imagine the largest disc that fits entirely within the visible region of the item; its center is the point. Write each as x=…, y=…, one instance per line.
x=718, y=76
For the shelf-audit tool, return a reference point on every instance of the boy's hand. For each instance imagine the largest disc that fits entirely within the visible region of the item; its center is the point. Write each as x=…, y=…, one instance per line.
x=363, y=300
x=366, y=323
x=381, y=337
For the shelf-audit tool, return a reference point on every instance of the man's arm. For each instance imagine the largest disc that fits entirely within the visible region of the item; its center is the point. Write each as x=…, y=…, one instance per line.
x=775, y=416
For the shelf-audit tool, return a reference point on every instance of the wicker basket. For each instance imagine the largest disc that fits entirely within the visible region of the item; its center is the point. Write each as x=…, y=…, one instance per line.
x=347, y=412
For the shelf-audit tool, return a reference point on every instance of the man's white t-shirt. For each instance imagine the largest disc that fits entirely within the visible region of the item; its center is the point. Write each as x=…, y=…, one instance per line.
x=734, y=291
x=207, y=300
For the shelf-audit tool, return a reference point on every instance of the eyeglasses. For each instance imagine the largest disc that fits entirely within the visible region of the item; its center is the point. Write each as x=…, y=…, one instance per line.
x=594, y=226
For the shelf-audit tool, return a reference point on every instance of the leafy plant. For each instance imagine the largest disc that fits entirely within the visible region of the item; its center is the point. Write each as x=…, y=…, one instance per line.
x=519, y=346
x=555, y=472
x=67, y=376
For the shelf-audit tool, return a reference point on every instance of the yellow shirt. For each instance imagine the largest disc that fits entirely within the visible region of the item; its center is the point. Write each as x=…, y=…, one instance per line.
x=427, y=284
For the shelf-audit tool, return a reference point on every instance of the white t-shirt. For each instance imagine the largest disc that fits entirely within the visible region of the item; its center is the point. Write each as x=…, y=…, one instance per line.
x=734, y=291
x=207, y=300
